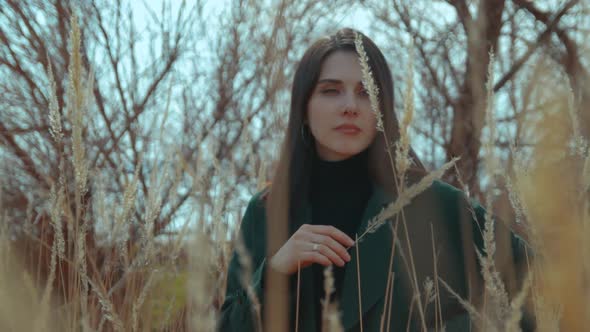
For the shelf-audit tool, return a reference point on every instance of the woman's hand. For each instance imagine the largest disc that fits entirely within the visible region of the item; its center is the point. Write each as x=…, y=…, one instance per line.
x=325, y=245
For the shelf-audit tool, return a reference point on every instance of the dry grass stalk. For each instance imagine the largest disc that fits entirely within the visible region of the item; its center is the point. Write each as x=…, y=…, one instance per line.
x=152, y=212
x=120, y=231
x=586, y=173
x=246, y=279
x=390, y=301
x=513, y=322
x=56, y=204
x=81, y=265
x=107, y=307
x=514, y=200
x=389, y=286
x=429, y=294
x=437, y=305
x=330, y=314
x=492, y=279
x=141, y=299
x=358, y=278
x=471, y=310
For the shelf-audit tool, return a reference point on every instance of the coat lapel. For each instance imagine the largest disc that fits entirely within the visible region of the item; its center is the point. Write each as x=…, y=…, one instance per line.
x=373, y=260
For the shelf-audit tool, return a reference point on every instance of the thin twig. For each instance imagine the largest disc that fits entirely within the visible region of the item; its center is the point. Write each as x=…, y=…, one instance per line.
x=358, y=272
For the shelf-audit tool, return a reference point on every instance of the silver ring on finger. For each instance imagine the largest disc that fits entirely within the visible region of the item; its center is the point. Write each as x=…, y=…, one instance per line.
x=316, y=247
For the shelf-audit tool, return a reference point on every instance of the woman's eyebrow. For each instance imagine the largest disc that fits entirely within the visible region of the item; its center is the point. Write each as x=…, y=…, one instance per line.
x=334, y=81
x=329, y=80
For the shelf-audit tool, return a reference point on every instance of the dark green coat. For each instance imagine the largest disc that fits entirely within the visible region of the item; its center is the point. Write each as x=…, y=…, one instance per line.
x=441, y=208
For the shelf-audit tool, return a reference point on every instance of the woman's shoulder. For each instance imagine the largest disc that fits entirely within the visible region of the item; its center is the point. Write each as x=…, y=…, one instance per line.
x=260, y=198
x=257, y=203
x=455, y=200
x=445, y=188
x=448, y=192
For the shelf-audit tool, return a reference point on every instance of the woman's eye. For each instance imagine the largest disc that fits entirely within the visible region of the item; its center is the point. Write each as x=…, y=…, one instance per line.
x=329, y=91
x=364, y=93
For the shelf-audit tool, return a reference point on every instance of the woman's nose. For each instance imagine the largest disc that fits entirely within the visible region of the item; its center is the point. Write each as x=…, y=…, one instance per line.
x=350, y=105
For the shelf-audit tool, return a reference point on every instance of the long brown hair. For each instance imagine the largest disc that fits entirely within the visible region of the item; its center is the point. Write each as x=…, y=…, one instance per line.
x=291, y=178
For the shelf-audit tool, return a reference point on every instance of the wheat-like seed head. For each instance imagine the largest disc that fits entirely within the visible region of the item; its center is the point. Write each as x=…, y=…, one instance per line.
x=56, y=205
x=586, y=173
x=429, y=293
x=405, y=197
x=152, y=212
x=246, y=280
x=330, y=315
x=402, y=160
x=491, y=162
x=76, y=104
x=120, y=230
x=368, y=81
x=578, y=143
x=54, y=116
x=474, y=314
x=108, y=309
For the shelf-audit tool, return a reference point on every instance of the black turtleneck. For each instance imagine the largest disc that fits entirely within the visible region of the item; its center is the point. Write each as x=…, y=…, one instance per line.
x=339, y=191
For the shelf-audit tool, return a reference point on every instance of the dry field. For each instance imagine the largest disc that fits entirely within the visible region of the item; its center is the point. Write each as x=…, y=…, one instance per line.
x=55, y=275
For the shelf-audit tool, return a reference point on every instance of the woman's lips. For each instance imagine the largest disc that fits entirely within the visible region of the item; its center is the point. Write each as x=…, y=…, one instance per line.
x=348, y=129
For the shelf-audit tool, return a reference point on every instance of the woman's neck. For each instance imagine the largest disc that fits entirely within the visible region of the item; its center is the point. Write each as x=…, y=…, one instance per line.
x=348, y=175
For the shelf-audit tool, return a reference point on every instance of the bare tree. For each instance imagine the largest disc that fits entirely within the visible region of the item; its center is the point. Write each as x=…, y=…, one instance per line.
x=453, y=41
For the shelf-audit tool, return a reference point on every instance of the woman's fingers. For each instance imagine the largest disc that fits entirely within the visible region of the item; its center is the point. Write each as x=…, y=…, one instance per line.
x=334, y=233
x=326, y=251
x=316, y=257
x=321, y=244
x=332, y=244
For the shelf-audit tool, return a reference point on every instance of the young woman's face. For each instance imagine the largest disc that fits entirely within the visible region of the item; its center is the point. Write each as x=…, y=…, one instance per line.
x=339, y=110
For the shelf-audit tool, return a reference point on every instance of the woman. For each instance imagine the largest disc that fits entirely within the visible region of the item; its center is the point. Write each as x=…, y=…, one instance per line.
x=332, y=177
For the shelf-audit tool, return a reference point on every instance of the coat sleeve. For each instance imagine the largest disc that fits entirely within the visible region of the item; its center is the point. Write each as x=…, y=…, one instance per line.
x=237, y=312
